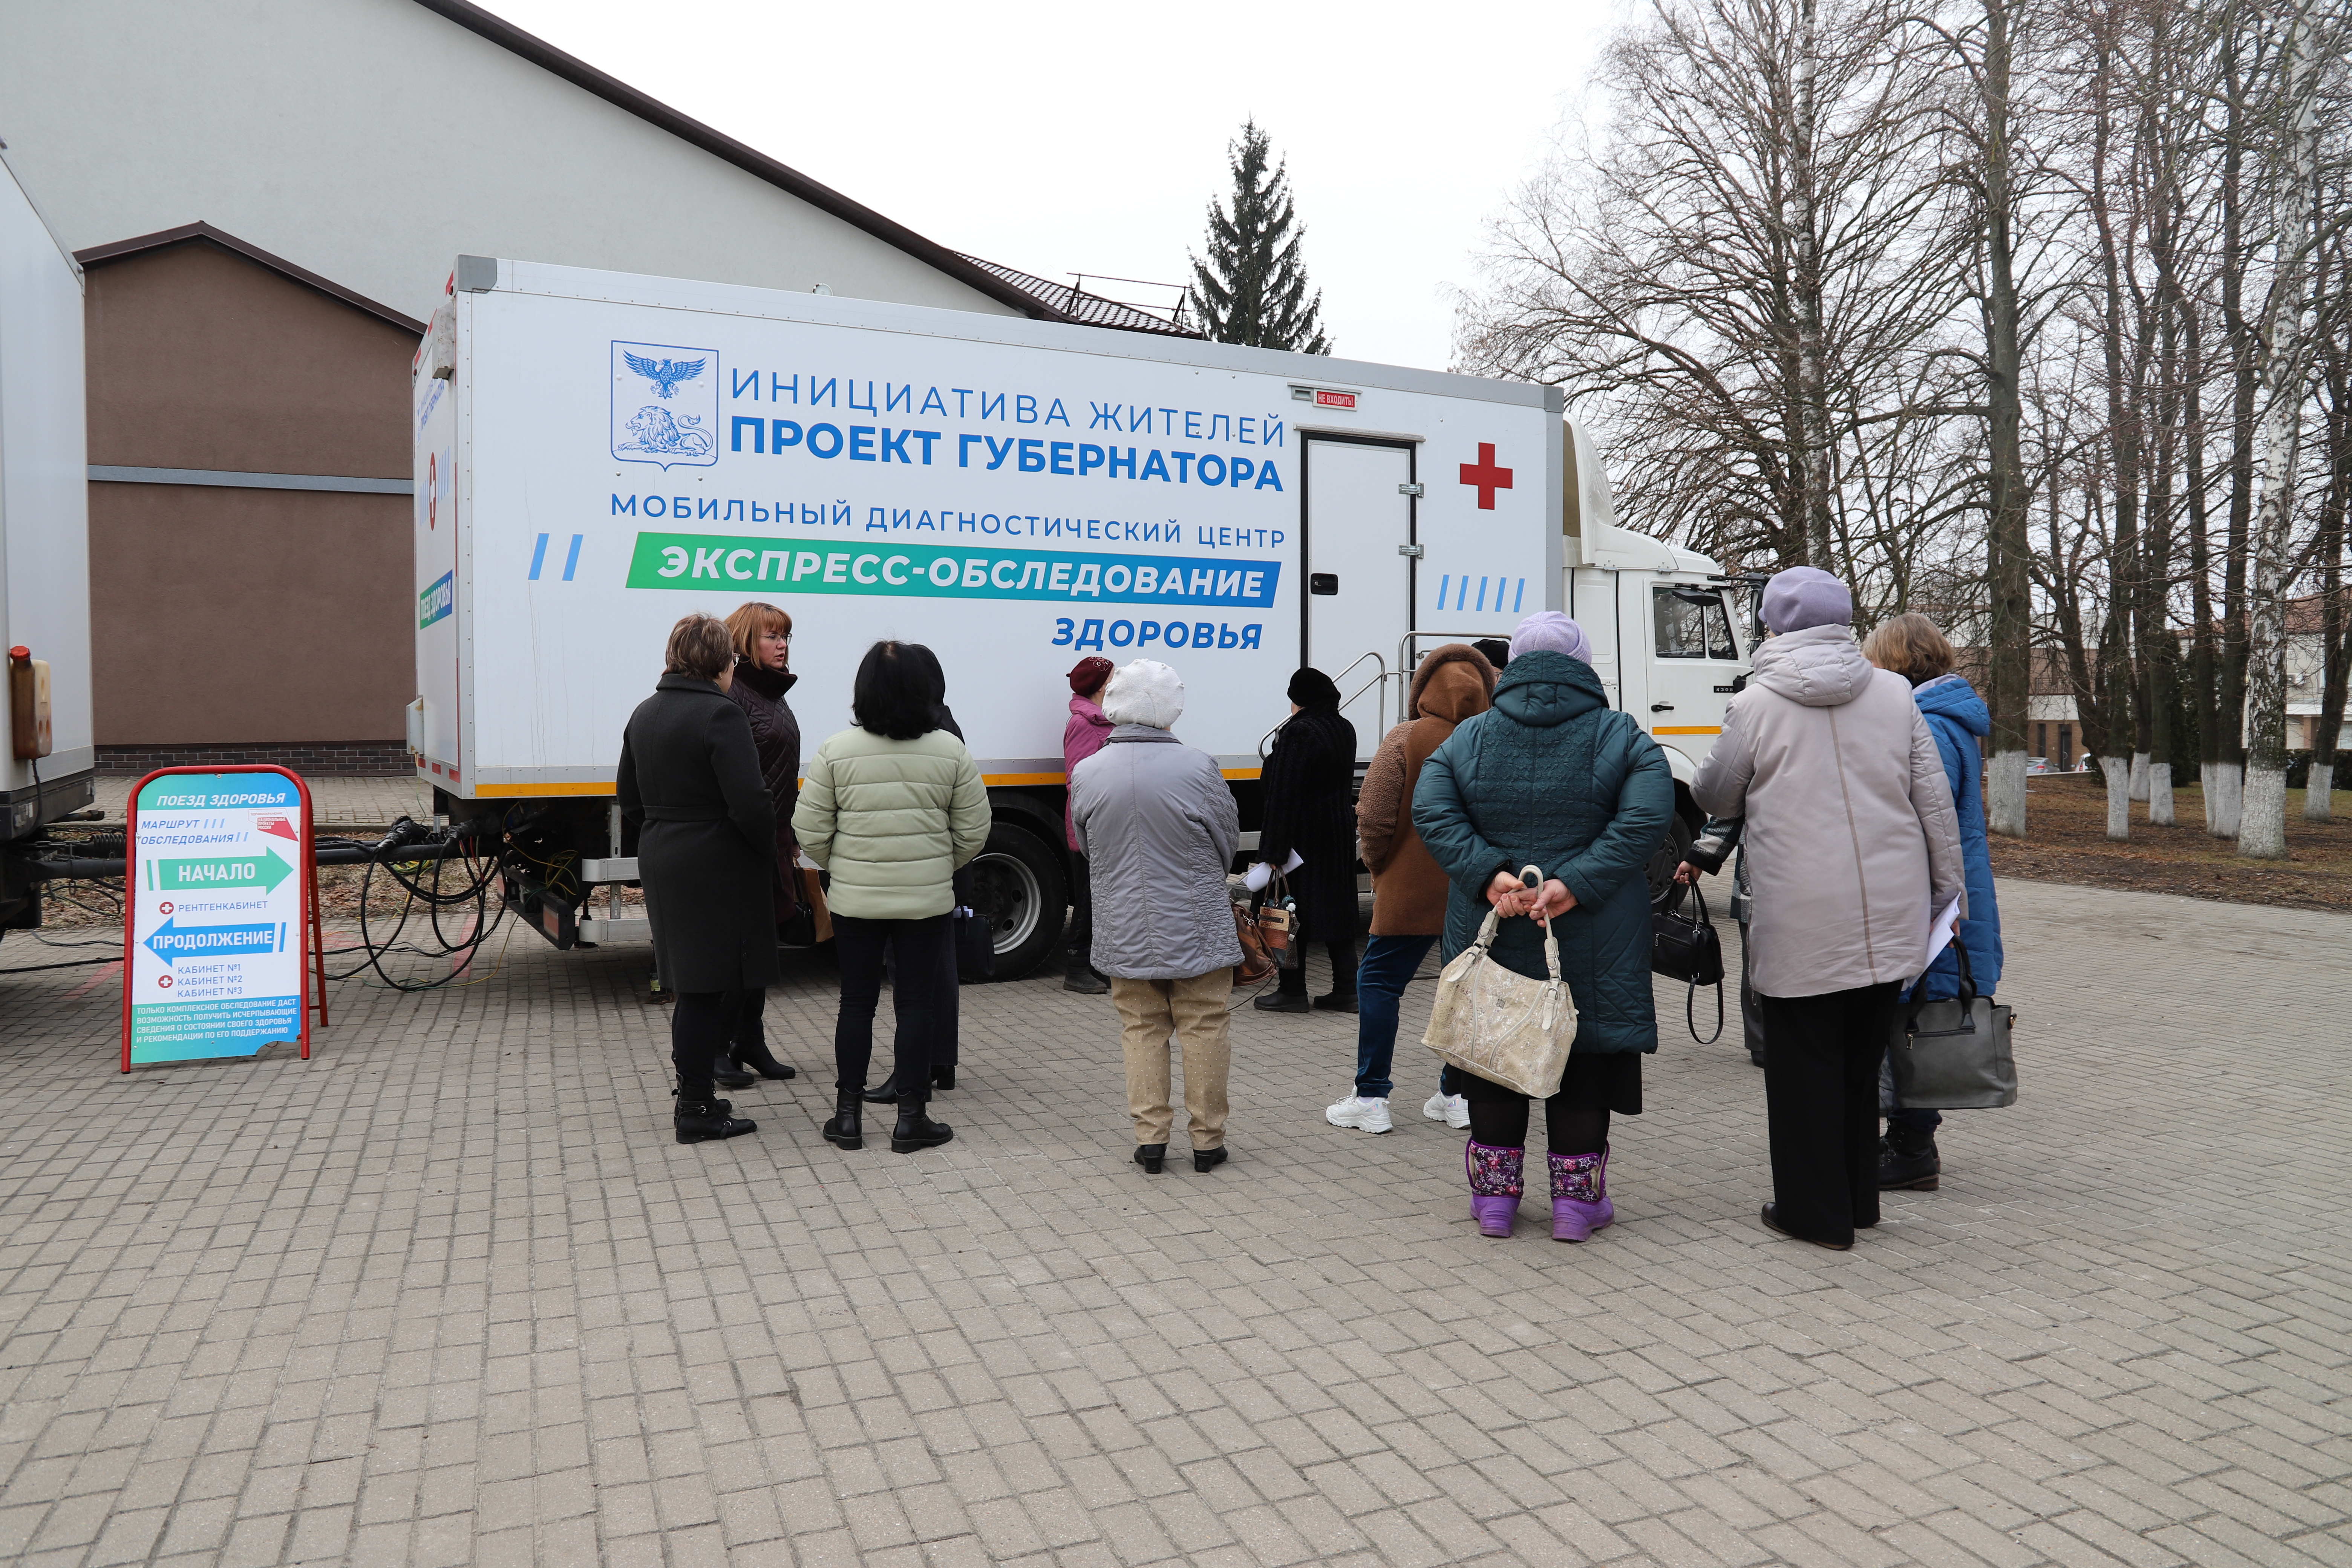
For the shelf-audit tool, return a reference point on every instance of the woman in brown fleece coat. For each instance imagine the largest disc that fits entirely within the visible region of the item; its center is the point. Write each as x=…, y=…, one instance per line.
x=1409, y=892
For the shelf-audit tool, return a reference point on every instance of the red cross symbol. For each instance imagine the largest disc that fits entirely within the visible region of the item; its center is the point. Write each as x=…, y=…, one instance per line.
x=1485, y=475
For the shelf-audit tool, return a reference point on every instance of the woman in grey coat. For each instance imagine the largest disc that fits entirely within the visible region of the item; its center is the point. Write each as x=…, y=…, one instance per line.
x=689, y=779
x=1159, y=827
x=1853, y=848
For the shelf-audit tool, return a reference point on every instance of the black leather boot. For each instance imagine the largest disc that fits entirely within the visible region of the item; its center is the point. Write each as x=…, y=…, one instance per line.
x=943, y=1076
x=1908, y=1160
x=884, y=1093
x=699, y=1118
x=916, y=1130
x=759, y=1059
x=844, y=1131
x=728, y=1076
x=1151, y=1157
x=1082, y=978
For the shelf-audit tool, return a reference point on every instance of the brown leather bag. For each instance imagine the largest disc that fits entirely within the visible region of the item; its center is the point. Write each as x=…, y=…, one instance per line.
x=1257, y=964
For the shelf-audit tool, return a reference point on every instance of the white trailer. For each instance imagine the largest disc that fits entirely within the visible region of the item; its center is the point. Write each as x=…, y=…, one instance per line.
x=49, y=757
x=598, y=452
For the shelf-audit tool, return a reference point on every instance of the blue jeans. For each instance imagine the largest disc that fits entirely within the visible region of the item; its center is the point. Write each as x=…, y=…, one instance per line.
x=1389, y=963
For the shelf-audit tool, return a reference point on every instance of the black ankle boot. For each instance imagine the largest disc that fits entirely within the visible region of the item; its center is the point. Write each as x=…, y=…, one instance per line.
x=760, y=1059
x=844, y=1131
x=1081, y=977
x=884, y=1093
x=916, y=1130
x=1908, y=1160
x=943, y=1077
x=1151, y=1157
x=697, y=1118
x=729, y=1077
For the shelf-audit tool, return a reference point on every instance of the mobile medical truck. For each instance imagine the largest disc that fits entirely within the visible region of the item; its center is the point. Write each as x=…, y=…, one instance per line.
x=598, y=454
x=50, y=766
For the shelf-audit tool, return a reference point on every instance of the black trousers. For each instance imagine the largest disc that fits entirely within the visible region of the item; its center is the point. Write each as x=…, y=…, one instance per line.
x=700, y=1023
x=1752, y=1005
x=1820, y=1097
x=748, y=1034
x=1343, y=971
x=1082, y=911
x=919, y=949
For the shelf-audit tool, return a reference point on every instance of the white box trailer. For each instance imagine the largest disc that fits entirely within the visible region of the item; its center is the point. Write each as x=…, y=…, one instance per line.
x=47, y=744
x=599, y=453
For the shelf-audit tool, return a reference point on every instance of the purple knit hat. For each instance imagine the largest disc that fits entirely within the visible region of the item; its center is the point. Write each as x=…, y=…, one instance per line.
x=1805, y=596
x=1549, y=631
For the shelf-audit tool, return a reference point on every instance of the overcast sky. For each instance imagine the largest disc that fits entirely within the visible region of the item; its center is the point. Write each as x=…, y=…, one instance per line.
x=1064, y=138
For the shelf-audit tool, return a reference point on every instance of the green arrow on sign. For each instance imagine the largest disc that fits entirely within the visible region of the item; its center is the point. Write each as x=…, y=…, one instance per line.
x=264, y=871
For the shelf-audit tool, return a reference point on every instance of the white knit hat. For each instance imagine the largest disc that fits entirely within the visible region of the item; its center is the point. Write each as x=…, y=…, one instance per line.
x=1144, y=692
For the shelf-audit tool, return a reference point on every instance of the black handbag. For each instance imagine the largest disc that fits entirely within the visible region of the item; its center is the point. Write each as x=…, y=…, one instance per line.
x=1952, y=1055
x=1685, y=948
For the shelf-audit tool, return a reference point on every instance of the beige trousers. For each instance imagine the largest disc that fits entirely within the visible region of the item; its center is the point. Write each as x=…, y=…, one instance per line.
x=1193, y=1011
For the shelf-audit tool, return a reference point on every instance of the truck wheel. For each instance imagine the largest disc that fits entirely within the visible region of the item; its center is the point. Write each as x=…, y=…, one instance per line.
x=1670, y=853
x=1020, y=890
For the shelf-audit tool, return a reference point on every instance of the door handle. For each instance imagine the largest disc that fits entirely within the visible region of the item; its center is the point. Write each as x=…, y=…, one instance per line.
x=1661, y=707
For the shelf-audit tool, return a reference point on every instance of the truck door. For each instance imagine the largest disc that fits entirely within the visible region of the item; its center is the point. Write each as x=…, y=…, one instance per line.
x=1693, y=658
x=1358, y=588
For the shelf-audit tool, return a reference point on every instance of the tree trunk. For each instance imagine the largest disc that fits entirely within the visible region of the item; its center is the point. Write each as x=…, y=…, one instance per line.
x=2008, y=547
x=2262, y=834
x=1812, y=381
x=2118, y=772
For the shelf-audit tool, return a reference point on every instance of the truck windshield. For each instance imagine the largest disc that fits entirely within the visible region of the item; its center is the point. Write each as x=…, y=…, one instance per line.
x=1692, y=623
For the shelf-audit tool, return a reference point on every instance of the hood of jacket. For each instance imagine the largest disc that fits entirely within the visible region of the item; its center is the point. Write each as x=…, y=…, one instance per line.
x=1087, y=709
x=771, y=684
x=1147, y=733
x=1951, y=697
x=1819, y=667
x=1543, y=688
x=1453, y=682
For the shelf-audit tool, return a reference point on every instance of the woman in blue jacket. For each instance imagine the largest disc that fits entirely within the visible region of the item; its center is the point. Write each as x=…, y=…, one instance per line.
x=1551, y=775
x=1911, y=646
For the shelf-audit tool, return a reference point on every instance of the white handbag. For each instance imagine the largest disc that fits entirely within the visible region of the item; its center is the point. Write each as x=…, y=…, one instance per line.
x=1499, y=1023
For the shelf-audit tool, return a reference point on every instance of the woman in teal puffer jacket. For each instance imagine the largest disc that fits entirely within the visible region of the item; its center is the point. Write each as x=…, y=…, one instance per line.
x=1554, y=777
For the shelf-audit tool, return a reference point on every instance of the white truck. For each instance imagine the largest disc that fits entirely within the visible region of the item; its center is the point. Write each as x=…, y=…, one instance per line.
x=598, y=452
x=48, y=767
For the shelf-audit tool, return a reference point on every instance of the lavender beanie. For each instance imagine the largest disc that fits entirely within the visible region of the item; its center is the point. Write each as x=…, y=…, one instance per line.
x=1549, y=631
x=1805, y=596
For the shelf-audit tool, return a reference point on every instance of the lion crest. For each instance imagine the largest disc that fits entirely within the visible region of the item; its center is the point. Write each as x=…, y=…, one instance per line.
x=651, y=429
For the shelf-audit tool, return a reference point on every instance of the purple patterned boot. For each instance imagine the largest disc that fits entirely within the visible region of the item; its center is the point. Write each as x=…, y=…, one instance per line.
x=1579, y=1196
x=1494, y=1185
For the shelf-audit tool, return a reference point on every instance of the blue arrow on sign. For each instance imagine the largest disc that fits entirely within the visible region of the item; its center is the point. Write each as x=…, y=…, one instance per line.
x=172, y=941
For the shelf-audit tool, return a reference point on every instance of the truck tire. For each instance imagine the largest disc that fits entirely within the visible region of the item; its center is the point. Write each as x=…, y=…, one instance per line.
x=1668, y=855
x=1021, y=891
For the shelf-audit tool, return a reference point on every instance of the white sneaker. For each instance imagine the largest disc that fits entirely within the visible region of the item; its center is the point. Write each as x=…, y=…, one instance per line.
x=1368, y=1115
x=1453, y=1109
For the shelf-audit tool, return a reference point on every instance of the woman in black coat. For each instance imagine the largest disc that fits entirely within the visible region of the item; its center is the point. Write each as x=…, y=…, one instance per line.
x=1309, y=788
x=763, y=635
x=689, y=779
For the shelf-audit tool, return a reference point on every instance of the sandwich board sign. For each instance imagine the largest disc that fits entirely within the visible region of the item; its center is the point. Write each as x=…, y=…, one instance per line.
x=220, y=912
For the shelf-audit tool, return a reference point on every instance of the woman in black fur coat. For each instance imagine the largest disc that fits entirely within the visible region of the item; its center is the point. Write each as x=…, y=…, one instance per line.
x=1309, y=794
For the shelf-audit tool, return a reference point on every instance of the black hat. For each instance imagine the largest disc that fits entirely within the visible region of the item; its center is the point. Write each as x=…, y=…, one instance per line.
x=1310, y=688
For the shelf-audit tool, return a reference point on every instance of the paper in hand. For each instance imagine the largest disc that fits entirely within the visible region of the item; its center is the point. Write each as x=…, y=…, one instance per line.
x=1939, y=935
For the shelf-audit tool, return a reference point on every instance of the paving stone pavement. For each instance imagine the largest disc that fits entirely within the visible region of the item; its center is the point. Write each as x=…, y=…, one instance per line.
x=449, y=1293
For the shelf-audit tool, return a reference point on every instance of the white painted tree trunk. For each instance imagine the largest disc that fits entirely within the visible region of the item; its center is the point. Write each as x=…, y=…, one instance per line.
x=2262, y=829
x=2208, y=789
x=2140, y=775
x=2222, y=802
x=2262, y=833
x=2005, y=793
x=2160, y=796
x=2118, y=770
x=2318, y=803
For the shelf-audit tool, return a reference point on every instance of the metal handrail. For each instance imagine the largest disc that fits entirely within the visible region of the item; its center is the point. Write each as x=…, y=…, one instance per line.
x=1377, y=679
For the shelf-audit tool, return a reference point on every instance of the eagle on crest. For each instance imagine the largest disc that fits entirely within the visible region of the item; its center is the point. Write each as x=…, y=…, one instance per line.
x=664, y=373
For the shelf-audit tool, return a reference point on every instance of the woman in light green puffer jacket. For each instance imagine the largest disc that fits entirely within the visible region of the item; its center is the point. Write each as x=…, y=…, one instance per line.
x=891, y=809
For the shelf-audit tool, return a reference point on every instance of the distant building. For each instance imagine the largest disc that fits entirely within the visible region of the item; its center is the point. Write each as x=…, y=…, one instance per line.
x=268, y=200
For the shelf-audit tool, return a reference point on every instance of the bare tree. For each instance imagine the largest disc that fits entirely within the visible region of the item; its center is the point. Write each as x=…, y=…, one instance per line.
x=2285, y=347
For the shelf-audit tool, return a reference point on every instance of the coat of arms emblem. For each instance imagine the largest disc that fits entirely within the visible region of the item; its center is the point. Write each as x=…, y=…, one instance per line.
x=665, y=404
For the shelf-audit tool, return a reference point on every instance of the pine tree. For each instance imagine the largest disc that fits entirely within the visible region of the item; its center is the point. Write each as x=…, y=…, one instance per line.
x=1252, y=288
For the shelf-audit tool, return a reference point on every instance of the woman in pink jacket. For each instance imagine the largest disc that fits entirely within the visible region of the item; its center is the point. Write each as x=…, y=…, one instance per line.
x=1082, y=737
